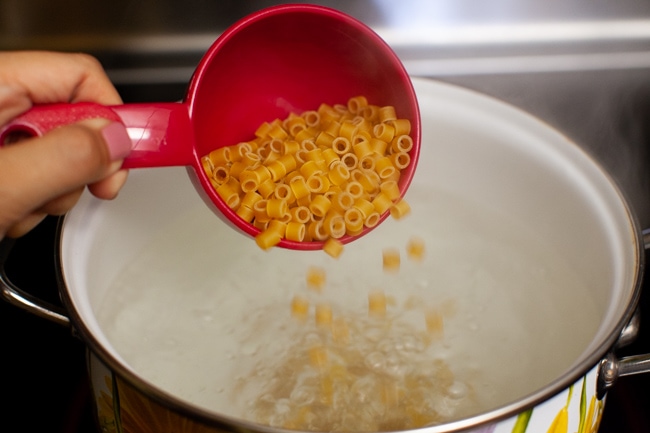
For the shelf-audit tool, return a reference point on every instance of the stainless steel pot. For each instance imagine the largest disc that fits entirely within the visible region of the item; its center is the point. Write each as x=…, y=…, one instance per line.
x=526, y=236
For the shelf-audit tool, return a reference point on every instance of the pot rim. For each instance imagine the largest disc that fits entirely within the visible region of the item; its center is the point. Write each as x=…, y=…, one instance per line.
x=495, y=415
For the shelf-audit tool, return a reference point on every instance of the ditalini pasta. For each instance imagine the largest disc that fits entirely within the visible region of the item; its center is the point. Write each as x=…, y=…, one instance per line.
x=316, y=176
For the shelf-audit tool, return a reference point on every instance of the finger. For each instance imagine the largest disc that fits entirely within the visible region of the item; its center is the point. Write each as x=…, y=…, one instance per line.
x=109, y=187
x=37, y=171
x=47, y=77
x=25, y=225
x=12, y=103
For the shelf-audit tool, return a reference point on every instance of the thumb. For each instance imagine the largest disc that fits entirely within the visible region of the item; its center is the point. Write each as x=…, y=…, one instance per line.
x=37, y=171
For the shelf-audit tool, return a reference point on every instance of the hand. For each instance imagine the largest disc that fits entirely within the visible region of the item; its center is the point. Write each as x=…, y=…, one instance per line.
x=46, y=175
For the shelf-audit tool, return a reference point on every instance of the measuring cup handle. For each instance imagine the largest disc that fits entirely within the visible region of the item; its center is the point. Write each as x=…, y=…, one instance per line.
x=161, y=132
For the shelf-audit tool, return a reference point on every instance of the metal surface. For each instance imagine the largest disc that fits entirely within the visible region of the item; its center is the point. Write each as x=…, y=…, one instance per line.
x=583, y=66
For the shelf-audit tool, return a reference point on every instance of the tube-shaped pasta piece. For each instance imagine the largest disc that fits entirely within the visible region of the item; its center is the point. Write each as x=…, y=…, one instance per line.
x=280, y=167
x=353, y=219
x=207, y=164
x=382, y=203
x=319, y=205
x=250, y=198
x=221, y=156
x=368, y=162
x=341, y=145
x=229, y=195
x=330, y=157
x=295, y=231
x=333, y=248
x=400, y=209
x=435, y=322
x=283, y=192
x=249, y=180
x=271, y=236
x=338, y=173
x=391, y=189
x=384, y=132
x=357, y=104
x=276, y=208
x=355, y=189
x=415, y=249
x=220, y=174
x=315, y=278
x=400, y=160
x=324, y=140
x=245, y=213
x=251, y=159
x=259, y=209
x=371, y=112
x=266, y=188
x=263, y=130
x=295, y=125
x=236, y=168
x=299, y=307
x=312, y=118
x=402, y=126
x=378, y=146
x=372, y=219
x=364, y=127
x=367, y=179
x=377, y=303
x=350, y=160
x=260, y=224
x=334, y=225
x=402, y=143
x=332, y=127
x=362, y=149
x=290, y=147
x=316, y=232
x=342, y=201
x=299, y=187
x=310, y=168
x=347, y=130
x=318, y=183
x=277, y=131
x=387, y=113
x=300, y=214
x=305, y=135
x=391, y=259
x=384, y=167
x=323, y=314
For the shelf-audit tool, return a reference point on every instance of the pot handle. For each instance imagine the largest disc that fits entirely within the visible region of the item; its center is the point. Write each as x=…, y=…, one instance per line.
x=22, y=299
x=612, y=367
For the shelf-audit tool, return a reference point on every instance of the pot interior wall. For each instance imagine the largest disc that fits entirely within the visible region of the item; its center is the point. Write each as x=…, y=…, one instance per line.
x=530, y=259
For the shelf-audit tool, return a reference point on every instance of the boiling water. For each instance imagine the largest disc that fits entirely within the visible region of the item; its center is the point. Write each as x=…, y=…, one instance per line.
x=203, y=313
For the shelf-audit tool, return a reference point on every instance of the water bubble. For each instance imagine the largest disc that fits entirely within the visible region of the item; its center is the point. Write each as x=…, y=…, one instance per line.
x=457, y=390
x=375, y=360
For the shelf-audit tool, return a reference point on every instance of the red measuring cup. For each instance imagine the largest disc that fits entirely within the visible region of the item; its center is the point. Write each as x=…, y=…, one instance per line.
x=279, y=60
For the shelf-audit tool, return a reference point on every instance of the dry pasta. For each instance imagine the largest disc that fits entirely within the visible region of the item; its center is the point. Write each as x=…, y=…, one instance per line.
x=316, y=176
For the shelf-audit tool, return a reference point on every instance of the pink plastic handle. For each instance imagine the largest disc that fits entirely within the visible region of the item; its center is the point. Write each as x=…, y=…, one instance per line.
x=161, y=133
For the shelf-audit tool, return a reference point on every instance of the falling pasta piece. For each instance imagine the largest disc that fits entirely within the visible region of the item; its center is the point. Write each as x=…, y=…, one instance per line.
x=391, y=260
x=299, y=307
x=333, y=247
x=435, y=322
x=315, y=278
x=377, y=303
x=323, y=315
x=415, y=249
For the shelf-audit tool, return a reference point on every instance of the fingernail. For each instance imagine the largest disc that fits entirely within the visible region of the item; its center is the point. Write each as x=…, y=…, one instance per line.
x=117, y=139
